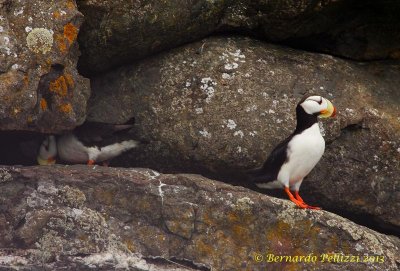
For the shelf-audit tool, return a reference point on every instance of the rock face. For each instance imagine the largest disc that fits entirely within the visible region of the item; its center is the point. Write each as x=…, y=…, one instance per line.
x=116, y=32
x=96, y=218
x=220, y=105
x=40, y=88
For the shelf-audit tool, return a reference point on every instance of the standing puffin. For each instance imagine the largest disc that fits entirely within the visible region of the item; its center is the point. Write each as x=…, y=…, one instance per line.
x=296, y=156
x=90, y=143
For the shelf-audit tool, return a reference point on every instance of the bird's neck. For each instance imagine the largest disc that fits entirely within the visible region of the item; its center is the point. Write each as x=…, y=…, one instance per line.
x=304, y=120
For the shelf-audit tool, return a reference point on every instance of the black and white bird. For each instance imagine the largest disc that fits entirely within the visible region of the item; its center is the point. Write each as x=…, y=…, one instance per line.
x=293, y=159
x=88, y=144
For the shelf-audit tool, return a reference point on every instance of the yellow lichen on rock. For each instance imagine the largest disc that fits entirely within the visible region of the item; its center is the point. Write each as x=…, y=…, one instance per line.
x=59, y=86
x=61, y=43
x=66, y=108
x=43, y=104
x=40, y=40
x=70, y=32
x=70, y=80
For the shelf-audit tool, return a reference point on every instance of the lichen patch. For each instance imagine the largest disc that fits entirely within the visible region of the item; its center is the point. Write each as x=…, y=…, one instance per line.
x=40, y=40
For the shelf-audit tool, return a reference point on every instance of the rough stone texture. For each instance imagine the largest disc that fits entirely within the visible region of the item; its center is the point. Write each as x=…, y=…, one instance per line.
x=97, y=218
x=361, y=30
x=220, y=105
x=116, y=32
x=40, y=88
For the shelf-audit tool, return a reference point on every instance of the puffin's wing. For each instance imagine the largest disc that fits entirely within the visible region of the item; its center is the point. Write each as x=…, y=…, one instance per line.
x=96, y=133
x=270, y=170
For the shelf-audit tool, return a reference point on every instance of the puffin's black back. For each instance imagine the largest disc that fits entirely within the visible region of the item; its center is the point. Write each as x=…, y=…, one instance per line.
x=269, y=171
x=102, y=134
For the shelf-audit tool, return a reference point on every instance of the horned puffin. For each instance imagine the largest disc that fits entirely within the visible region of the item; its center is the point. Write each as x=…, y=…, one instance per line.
x=293, y=158
x=90, y=143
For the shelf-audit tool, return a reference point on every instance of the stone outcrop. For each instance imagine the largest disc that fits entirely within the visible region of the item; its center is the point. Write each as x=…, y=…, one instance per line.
x=219, y=106
x=119, y=32
x=97, y=218
x=40, y=88
x=116, y=32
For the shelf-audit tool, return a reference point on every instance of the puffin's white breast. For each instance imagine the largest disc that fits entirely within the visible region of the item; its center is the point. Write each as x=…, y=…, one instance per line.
x=304, y=152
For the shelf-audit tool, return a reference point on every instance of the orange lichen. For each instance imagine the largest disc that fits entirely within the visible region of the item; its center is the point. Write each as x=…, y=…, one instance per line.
x=56, y=14
x=70, y=4
x=61, y=43
x=66, y=108
x=130, y=245
x=59, y=86
x=70, y=32
x=203, y=248
x=70, y=80
x=26, y=80
x=43, y=104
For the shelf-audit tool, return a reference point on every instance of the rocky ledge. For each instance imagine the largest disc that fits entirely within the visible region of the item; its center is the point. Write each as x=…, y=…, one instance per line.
x=97, y=218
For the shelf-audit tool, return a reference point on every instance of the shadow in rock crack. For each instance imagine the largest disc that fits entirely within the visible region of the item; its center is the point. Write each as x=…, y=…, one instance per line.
x=19, y=148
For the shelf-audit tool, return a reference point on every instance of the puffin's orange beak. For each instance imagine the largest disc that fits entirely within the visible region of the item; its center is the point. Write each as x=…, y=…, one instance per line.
x=330, y=111
x=46, y=162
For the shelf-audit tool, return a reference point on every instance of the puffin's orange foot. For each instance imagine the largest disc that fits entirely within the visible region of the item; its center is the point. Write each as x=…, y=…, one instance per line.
x=302, y=201
x=91, y=162
x=295, y=201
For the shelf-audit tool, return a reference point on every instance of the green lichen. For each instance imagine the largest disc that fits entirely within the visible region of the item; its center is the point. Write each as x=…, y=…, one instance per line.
x=72, y=197
x=40, y=40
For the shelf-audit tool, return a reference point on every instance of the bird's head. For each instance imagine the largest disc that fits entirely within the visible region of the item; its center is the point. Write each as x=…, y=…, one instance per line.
x=318, y=106
x=48, y=151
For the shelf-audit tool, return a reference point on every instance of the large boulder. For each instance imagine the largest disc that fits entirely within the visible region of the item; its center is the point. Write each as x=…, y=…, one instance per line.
x=219, y=106
x=40, y=88
x=97, y=218
x=358, y=30
x=118, y=32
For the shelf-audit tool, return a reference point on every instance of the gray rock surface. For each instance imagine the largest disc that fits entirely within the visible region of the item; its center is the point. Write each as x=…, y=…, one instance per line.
x=40, y=88
x=220, y=105
x=97, y=218
x=118, y=32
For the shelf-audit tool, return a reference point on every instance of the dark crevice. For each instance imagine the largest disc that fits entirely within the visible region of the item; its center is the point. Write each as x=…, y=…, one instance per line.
x=369, y=221
x=19, y=148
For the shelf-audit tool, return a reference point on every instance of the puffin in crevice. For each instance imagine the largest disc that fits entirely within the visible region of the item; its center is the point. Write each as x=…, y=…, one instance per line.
x=293, y=159
x=89, y=143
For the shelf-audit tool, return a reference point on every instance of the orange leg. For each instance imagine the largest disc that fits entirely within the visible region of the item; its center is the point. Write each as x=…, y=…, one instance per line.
x=292, y=198
x=91, y=162
x=296, y=194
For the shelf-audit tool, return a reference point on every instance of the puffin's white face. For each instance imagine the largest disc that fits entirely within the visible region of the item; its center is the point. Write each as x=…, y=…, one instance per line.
x=48, y=151
x=317, y=105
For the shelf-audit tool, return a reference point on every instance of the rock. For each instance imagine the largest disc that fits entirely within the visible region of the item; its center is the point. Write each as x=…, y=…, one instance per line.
x=362, y=31
x=220, y=105
x=118, y=32
x=40, y=88
x=97, y=218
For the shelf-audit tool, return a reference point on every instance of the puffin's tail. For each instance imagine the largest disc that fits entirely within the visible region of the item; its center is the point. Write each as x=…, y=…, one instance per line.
x=258, y=175
x=120, y=147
